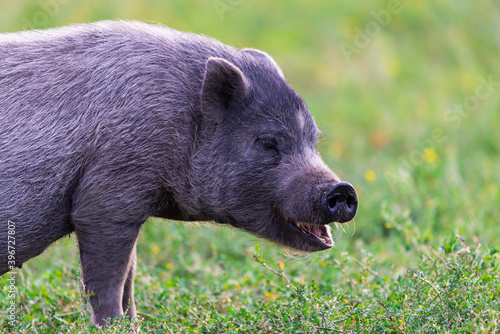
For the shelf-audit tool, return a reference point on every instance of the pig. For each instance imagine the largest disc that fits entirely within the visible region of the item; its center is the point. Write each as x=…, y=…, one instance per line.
x=103, y=125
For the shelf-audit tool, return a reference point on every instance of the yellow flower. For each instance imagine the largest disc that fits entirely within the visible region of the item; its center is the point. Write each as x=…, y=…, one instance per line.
x=430, y=155
x=370, y=175
x=155, y=250
x=391, y=67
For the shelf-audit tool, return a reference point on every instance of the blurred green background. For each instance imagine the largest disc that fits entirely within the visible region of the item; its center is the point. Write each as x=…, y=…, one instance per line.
x=407, y=94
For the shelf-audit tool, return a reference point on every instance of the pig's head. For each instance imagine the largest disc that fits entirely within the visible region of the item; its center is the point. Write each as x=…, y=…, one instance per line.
x=256, y=166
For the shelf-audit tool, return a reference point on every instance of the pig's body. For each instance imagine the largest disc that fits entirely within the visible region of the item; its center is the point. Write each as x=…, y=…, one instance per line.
x=81, y=104
x=104, y=125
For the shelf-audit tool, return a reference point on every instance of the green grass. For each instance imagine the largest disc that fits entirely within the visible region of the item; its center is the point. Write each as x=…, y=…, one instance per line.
x=422, y=253
x=453, y=287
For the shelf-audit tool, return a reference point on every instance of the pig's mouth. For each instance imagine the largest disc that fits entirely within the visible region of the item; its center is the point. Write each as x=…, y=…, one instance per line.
x=314, y=233
x=290, y=233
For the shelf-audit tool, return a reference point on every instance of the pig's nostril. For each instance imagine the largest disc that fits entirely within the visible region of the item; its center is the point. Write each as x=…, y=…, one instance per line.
x=352, y=203
x=335, y=200
x=341, y=202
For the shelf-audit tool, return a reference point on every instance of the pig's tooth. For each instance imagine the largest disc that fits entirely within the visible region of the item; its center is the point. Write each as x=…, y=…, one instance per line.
x=307, y=227
x=325, y=234
x=329, y=231
x=304, y=228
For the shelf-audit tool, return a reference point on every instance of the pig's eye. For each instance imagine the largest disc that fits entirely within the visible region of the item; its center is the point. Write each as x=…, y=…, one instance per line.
x=267, y=143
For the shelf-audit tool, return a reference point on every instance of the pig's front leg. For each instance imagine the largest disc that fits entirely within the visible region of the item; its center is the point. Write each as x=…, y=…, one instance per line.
x=107, y=253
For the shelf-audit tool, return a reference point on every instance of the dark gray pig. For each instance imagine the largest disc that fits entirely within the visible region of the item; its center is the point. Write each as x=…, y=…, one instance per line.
x=105, y=124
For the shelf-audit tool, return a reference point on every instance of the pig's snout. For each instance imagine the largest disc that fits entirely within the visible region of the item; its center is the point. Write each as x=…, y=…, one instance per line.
x=340, y=202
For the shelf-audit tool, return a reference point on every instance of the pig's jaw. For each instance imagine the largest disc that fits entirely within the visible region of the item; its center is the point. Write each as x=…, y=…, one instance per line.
x=296, y=235
x=301, y=236
x=315, y=233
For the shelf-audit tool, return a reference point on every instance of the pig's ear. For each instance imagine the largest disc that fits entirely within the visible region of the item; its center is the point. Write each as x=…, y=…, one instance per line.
x=265, y=58
x=224, y=86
